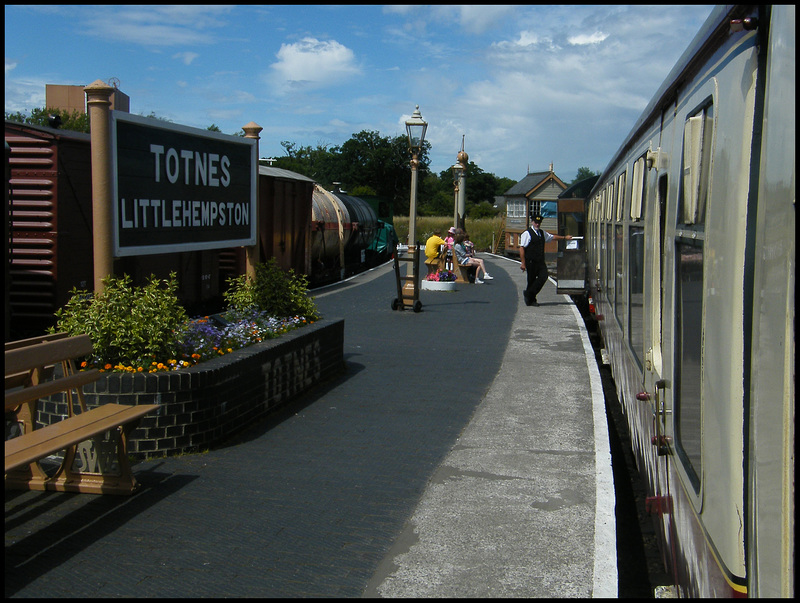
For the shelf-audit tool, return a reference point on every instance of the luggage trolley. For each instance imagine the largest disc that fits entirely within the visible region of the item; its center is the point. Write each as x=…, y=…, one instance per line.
x=407, y=286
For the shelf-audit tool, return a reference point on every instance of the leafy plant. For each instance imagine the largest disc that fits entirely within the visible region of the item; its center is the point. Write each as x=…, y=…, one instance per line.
x=145, y=329
x=273, y=291
x=126, y=323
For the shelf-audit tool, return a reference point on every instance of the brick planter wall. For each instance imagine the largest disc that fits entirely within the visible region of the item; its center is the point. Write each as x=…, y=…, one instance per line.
x=212, y=401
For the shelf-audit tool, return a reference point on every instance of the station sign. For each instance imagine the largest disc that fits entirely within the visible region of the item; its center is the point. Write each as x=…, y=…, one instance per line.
x=178, y=188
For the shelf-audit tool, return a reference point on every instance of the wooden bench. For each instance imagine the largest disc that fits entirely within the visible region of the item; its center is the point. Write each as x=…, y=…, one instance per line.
x=438, y=262
x=92, y=463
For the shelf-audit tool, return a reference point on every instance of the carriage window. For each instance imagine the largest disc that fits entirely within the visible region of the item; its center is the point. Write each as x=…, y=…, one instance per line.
x=636, y=261
x=697, y=141
x=619, y=305
x=688, y=355
x=636, y=290
x=602, y=253
x=609, y=273
x=620, y=196
x=637, y=188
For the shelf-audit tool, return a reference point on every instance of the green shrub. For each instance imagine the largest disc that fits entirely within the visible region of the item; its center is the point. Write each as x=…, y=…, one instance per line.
x=274, y=291
x=126, y=323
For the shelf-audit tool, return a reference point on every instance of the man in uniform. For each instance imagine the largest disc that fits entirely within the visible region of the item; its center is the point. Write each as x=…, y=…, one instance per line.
x=531, y=255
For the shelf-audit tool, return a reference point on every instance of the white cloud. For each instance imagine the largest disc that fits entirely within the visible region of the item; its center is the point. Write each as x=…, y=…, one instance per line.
x=24, y=94
x=155, y=26
x=313, y=63
x=584, y=39
x=186, y=57
x=480, y=18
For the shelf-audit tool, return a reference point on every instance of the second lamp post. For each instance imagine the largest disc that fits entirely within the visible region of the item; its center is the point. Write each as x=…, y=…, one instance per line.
x=416, y=127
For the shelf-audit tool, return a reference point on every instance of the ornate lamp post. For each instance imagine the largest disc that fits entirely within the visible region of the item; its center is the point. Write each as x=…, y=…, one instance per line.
x=416, y=128
x=456, y=182
x=461, y=209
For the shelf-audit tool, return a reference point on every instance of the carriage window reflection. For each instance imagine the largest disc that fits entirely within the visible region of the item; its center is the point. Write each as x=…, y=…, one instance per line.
x=688, y=356
x=619, y=271
x=636, y=291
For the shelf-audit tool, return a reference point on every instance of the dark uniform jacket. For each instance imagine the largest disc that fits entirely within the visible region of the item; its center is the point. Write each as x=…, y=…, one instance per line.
x=534, y=252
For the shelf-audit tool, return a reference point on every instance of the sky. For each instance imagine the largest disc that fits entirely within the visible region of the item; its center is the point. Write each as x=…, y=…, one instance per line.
x=523, y=86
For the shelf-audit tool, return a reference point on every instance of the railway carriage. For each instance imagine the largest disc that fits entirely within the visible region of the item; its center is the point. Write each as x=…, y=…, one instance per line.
x=691, y=252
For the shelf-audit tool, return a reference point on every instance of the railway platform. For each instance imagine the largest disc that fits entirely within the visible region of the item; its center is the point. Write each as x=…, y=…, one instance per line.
x=463, y=454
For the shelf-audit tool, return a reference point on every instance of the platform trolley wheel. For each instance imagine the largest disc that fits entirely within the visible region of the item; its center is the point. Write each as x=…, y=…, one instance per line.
x=417, y=306
x=395, y=303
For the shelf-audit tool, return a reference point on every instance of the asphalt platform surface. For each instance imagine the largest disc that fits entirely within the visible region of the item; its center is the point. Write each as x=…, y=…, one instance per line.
x=463, y=454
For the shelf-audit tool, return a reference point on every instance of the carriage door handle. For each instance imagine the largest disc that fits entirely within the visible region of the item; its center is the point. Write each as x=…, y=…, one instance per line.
x=660, y=440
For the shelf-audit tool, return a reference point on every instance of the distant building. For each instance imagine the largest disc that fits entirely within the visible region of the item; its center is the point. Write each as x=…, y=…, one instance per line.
x=536, y=193
x=73, y=98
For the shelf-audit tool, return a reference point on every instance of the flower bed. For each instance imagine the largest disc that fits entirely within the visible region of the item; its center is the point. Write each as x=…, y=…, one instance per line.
x=441, y=276
x=439, y=285
x=208, y=403
x=441, y=280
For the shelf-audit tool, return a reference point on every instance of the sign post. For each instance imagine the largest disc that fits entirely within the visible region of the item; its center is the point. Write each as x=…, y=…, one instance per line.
x=98, y=95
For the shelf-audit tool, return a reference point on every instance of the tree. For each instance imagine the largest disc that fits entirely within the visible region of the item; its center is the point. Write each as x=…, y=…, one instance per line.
x=583, y=174
x=75, y=121
x=484, y=209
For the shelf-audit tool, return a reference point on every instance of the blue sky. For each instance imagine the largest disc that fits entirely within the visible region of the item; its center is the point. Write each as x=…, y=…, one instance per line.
x=526, y=85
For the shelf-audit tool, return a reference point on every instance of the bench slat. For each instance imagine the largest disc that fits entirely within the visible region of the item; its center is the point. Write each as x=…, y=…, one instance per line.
x=17, y=380
x=21, y=343
x=27, y=448
x=46, y=353
x=34, y=392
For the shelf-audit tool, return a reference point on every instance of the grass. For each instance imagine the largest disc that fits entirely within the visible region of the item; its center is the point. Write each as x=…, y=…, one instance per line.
x=484, y=233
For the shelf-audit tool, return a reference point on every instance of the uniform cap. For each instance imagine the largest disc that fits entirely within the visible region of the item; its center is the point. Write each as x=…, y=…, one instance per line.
x=538, y=219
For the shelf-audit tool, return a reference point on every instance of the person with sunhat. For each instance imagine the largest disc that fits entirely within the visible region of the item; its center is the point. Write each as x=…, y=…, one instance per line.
x=451, y=236
x=531, y=255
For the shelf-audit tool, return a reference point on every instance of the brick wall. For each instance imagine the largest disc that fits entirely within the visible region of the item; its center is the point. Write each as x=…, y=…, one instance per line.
x=208, y=403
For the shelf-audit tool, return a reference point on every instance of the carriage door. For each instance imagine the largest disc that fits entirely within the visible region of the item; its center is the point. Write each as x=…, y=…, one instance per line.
x=659, y=505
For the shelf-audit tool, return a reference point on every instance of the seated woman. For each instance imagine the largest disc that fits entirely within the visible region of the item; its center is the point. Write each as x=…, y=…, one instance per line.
x=465, y=260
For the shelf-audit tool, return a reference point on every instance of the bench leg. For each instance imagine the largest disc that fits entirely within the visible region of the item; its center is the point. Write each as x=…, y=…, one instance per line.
x=462, y=274
x=104, y=466
x=32, y=477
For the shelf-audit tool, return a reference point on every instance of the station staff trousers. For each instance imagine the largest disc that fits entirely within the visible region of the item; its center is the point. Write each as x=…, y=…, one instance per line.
x=537, y=277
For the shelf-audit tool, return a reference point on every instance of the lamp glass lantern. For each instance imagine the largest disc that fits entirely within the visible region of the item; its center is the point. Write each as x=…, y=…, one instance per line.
x=456, y=169
x=416, y=128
